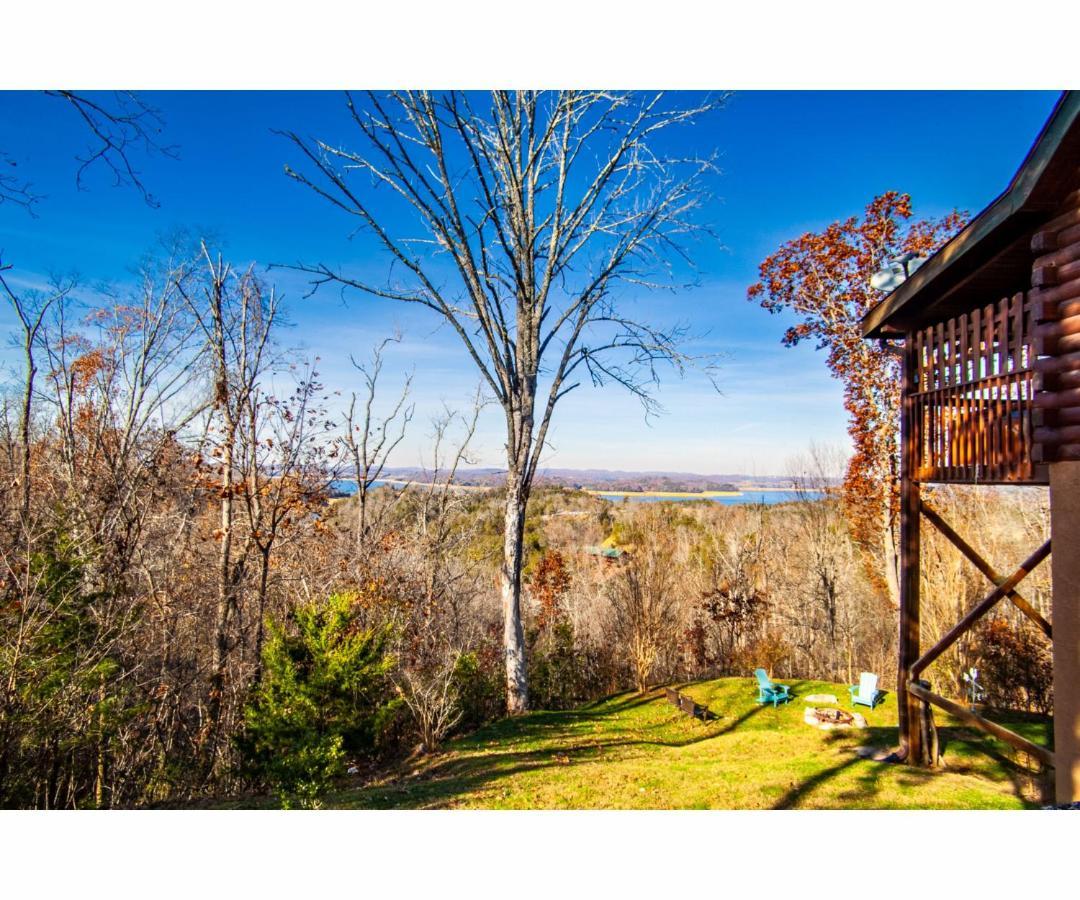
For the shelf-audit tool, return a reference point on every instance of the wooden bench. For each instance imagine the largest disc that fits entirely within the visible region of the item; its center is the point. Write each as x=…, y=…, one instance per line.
x=689, y=707
x=686, y=705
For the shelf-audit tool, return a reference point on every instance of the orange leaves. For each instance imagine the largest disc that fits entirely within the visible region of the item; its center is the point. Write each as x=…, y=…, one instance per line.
x=824, y=278
x=85, y=368
x=549, y=585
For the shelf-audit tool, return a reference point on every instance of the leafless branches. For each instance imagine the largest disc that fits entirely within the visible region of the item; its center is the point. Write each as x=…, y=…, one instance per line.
x=368, y=439
x=128, y=124
x=236, y=317
x=13, y=189
x=542, y=204
x=119, y=127
x=431, y=697
x=522, y=221
x=31, y=314
x=645, y=598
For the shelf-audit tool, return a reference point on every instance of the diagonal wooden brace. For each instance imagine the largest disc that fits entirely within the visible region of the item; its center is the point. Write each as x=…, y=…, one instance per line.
x=983, y=566
x=1046, y=757
x=980, y=609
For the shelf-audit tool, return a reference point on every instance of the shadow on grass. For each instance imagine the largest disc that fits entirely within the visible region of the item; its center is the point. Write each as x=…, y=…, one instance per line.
x=477, y=764
x=970, y=747
x=1030, y=780
x=868, y=781
x=444, y=780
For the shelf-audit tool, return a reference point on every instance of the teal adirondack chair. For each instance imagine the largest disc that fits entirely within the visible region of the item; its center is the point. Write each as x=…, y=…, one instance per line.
x=769, y=691
x=866, y=691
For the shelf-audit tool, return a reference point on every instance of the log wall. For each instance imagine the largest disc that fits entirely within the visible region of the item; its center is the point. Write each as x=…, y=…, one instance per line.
x=1056, y=314
x=1056, y=420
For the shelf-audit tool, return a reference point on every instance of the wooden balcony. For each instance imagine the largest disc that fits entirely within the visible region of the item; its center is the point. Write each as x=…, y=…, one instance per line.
x=971, y=409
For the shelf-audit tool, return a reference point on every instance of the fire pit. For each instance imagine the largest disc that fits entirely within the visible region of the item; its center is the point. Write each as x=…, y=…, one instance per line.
x=827, y=719
x=833, y=716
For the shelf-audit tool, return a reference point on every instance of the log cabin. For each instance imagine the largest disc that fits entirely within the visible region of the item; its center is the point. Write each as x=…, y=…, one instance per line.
x=990, y=333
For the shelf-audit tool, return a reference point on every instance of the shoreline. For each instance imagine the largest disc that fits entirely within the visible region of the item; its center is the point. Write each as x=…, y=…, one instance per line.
x=704, y=495
x=599, y=492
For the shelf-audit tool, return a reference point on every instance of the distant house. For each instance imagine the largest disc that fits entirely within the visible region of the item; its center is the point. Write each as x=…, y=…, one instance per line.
x=605, y=552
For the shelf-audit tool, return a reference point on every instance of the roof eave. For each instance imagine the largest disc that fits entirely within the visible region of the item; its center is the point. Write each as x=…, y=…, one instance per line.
x=886, y=318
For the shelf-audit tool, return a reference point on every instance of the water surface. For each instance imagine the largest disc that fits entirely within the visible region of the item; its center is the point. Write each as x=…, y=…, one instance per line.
x=750, y=497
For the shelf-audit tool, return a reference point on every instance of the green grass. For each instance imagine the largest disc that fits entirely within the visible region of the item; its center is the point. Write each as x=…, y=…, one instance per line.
x=634, y=752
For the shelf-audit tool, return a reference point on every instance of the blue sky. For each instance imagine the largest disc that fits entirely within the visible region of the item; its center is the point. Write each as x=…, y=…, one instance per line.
x=791, y=161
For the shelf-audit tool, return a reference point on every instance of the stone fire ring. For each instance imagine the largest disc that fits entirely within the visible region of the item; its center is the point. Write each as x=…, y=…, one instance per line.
x=810, y=718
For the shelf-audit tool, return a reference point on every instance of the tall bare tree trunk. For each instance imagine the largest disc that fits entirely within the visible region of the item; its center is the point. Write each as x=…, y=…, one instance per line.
x=572, y=202
x=224, y=597
x=24, y=431
x=519, y=452
x=517, y=496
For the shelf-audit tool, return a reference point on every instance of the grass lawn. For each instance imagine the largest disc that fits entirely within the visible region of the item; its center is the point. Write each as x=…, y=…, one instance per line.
x=639, y=752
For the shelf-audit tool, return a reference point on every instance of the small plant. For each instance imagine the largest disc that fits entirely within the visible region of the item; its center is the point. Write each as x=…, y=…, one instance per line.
x=321, y=699
x=481, y=685
x=1016, y=665
x=975, y=691
x=431, y=695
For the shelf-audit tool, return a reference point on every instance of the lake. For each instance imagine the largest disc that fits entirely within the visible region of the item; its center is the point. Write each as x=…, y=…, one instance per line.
x=768, y=498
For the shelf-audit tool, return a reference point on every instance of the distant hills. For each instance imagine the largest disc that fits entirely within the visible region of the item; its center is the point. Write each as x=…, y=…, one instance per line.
x=607, y=479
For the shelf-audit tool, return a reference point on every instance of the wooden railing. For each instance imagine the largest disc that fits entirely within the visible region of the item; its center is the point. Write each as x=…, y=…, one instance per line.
x=1045, y=756
x=972, y=399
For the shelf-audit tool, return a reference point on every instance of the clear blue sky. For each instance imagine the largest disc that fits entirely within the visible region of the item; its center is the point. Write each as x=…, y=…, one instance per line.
x=791, y=161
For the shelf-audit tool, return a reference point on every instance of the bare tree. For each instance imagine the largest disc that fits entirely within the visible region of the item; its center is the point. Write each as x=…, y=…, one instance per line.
x=439, y=625
x=529, y=215
x=283, y=459
x=431, y=697
x=369, y=440
x=734, y=585
x=236, y=316
x=645, y=596
x=118, y=126
x=828, y=572
x=31, y=315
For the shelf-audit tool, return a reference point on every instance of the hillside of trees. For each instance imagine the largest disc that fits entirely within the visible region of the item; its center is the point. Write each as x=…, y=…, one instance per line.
x=186, y=612
x=189, y=607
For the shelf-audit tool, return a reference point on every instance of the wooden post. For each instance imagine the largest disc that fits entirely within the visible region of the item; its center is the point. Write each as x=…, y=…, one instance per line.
x=1064, y=527
x=908, y=705
x=999, y=731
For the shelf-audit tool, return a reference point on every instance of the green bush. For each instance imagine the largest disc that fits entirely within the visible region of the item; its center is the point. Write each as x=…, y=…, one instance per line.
x=481, y=687
x=321, y=700
x=63, y=702
x=555, y=669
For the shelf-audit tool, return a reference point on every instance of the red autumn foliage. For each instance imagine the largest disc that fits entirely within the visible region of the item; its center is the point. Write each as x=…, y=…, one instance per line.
x=549, y=585
x=824, y=279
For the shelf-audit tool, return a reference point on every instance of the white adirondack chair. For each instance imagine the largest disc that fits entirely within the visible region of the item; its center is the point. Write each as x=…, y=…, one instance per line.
x=866, y=691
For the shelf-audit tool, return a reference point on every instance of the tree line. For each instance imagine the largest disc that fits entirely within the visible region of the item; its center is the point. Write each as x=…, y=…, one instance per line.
x=188, y=611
